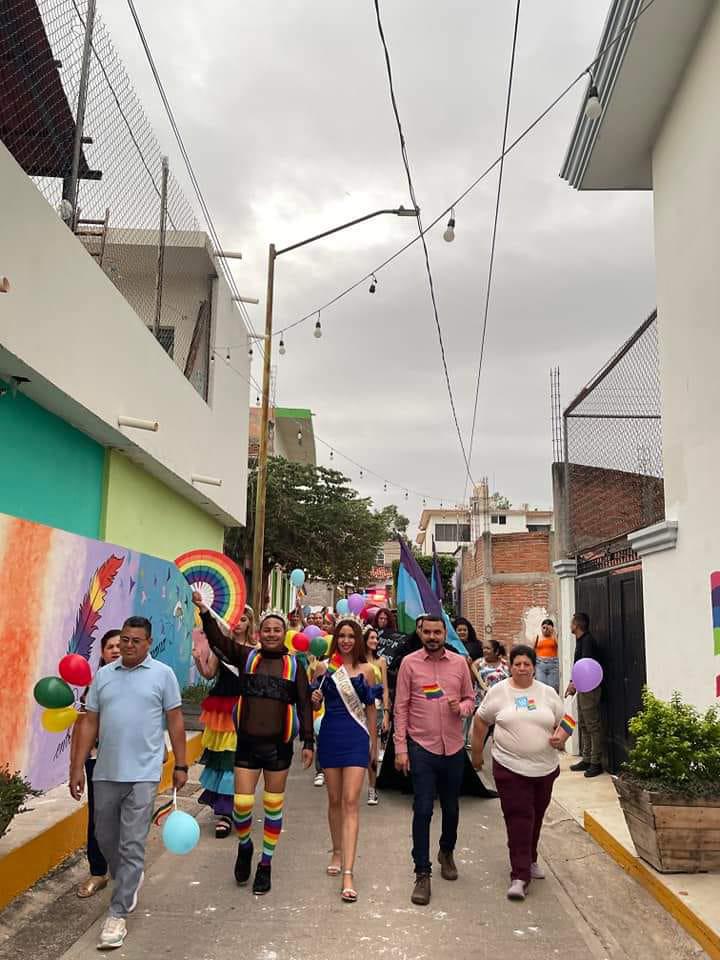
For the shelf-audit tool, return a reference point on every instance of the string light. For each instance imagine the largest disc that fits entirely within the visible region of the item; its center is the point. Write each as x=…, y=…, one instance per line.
x=318, y=329
x=281, y=349
x=449, y=234
x=373, y=286
x=332, y=455
x=227, y=356
x=385, y=488
x=362, y=474
x=250, y=351
x=299, y=436
x=593, y=107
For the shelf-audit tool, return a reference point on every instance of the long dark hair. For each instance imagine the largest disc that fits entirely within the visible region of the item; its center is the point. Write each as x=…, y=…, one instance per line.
x=359, y=650
x=392, y=622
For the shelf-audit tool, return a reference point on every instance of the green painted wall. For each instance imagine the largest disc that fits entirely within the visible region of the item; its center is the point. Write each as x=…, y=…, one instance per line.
x=49, y=472
x=142, y=513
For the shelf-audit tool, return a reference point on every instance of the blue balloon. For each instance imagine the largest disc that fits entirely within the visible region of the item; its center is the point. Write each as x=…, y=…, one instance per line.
x=181, y=832
x=297, y=578
x=342, y=606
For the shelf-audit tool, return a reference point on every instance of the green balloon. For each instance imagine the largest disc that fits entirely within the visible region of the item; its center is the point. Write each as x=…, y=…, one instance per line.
x=318, y=646
x=52, y=692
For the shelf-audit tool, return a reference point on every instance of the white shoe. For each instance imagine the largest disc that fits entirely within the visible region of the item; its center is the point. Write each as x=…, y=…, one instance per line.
x=372, y=797
x=319, y=780
x=134, y=901
x=537, y=872
x=113, y=934
x=517, y=890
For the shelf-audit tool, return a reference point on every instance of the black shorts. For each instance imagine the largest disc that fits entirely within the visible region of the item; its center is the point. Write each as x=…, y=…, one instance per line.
x=263, y=755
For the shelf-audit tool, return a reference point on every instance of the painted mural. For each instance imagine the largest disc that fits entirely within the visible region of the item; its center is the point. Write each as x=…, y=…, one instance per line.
x=60, y=593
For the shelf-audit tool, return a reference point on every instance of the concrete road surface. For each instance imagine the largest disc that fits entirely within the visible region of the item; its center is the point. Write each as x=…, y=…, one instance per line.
x=191, y=909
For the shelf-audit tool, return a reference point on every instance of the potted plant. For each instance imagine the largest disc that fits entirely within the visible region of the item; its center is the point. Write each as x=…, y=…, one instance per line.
x=192, y=698
x=669, y=789
x=14, y=791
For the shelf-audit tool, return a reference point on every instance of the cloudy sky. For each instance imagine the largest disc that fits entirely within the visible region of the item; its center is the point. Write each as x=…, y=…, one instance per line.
x=285, y=111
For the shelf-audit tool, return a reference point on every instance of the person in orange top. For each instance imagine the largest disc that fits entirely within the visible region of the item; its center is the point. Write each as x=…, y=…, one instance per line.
x=546, y=649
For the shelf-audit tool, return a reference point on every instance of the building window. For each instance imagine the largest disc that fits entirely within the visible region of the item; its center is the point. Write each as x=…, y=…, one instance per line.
x=166, y=339
x=447, y=532
x=538, y=527
x=464, y=533
x=499, y=518
x=380, y=558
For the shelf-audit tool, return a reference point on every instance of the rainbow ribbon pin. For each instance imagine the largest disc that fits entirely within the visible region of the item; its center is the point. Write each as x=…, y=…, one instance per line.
x=433, y=691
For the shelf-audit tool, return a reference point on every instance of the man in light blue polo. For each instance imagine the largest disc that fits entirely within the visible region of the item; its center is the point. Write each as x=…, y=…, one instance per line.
x=126, y=705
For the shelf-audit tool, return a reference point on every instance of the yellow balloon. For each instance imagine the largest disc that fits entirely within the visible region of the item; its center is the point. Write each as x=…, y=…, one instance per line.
x=55, y=721
x=289, y=638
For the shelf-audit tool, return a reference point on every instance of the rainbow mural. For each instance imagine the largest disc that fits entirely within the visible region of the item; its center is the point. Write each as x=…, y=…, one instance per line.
x=715, y=599
x=61, y=593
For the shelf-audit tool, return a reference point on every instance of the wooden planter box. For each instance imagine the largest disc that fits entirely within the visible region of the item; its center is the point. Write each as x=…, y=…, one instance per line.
x=674, y=836
x=191, y=715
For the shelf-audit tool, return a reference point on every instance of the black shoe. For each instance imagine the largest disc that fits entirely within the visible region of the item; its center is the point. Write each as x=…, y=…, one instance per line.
x=594, y=770
x=580, y=765
x=262, y=884
x=243, y=864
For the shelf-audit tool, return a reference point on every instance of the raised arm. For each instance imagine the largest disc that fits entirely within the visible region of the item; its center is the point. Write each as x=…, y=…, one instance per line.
x=216, y=638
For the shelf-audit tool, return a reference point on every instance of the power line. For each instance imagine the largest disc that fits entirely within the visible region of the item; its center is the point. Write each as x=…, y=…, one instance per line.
x=191, y=171
x=421, y=234
x=491, y=265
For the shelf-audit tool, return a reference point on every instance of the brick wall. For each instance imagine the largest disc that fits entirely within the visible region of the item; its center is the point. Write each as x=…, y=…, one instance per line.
x=605, y=504
x=518, y=579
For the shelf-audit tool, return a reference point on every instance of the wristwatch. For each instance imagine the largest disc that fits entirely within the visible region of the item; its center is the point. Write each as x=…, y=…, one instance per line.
x=180, y=767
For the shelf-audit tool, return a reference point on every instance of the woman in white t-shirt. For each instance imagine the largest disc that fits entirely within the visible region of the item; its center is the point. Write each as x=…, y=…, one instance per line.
x=526, y=739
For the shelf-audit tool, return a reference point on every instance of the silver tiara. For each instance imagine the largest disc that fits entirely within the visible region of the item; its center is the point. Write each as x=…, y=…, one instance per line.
x=349, y=618
x=278, y=614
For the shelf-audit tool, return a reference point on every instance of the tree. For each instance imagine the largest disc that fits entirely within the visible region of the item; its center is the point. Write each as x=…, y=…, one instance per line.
x=395, y=523
x=499, y=502
x=314, y=520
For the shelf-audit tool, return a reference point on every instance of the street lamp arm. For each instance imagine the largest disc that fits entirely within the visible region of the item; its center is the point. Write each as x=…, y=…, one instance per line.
x=399, y=212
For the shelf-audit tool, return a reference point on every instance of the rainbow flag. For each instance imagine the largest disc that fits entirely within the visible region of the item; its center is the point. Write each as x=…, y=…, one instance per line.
x=568, y=724
x=433, y=691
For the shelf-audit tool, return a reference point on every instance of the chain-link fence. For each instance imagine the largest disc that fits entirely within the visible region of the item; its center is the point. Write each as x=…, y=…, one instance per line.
x=613, y=446
x=103, y=171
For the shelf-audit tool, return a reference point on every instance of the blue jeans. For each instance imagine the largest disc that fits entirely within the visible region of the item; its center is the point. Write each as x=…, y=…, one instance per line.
x=434, y=774
x=547, y=671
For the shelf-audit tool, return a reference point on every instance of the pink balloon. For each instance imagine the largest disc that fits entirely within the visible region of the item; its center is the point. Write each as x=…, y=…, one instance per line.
x=587, y=675
x=356, y=603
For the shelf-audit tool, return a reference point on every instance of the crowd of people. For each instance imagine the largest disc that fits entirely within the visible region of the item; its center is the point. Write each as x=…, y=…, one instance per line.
x=405, y=710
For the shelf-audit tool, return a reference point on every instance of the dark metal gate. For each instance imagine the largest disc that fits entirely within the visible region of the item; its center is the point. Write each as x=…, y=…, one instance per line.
x=613, y=600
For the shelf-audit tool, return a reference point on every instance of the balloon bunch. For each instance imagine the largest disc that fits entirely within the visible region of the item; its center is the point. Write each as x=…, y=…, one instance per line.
x=355, y=604
x=56, y=695
x=310, y=640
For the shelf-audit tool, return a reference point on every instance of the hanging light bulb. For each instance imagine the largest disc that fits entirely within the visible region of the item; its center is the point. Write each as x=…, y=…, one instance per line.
x=449, y=234
x=406, y=495
x=373, y=285
x=257, y=401
x=593, y=107
x=361, y=474
x=385, y=487
x=424, y=502
x=250, y=351
x=318, y=329
x=281, y=350
x=227, y=355
x=299, y=436
x=332, y=455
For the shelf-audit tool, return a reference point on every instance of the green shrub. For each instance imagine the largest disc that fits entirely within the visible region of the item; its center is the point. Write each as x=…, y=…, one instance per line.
x=14, y=791
x=195, y=693
x=676, y=748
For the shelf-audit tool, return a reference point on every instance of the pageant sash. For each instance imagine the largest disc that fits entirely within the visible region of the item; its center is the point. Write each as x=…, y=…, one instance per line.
x=349, y=697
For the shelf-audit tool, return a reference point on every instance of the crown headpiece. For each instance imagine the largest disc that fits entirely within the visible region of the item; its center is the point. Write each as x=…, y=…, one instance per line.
x=349, y=618
x=278, y=614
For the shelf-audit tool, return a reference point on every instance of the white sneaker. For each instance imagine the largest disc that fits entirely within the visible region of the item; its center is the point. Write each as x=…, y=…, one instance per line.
x=537, y=872
x=319, y=780
x=113, y=934
x=134, y=901
x=516, y=890
x=372, y=797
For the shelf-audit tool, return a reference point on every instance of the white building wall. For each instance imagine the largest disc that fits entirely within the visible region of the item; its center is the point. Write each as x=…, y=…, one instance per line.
x=686, y=184
x=66, y=321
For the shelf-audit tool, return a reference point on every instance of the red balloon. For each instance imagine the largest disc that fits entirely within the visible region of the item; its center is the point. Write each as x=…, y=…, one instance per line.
x=364, y=613
x=75, y=670
x=301, y=643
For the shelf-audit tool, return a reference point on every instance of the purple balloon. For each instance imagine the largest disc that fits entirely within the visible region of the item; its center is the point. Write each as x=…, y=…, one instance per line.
x=356, y=603
x=312, y=631
x=587, y=675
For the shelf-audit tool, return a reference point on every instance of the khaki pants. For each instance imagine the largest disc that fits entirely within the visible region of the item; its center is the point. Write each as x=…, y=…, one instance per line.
x=590, y=726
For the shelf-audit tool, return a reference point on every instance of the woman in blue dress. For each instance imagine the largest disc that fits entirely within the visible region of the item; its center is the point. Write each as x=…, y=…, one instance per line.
x=347, y=741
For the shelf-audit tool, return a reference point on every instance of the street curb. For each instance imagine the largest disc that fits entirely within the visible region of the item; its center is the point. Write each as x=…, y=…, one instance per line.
x=23, y=867
x=708, y=938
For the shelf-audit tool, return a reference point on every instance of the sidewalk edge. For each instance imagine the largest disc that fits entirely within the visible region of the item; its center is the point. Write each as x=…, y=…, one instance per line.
x=708, y=938
x=23, y=867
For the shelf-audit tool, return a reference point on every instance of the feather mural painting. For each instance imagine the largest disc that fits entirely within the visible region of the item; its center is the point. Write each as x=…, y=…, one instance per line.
x=88, y=616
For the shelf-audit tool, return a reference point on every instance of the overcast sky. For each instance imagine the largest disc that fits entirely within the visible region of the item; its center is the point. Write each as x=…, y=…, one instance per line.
x=285, y=112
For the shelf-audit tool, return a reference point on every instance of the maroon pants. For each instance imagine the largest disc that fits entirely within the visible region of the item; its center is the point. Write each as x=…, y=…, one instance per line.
x=524, y=801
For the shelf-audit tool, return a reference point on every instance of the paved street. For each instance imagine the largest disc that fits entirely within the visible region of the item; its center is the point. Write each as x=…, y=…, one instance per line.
x=191, y=908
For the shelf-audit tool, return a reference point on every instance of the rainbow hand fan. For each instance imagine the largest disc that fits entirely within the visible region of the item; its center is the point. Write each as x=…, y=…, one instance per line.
x=218, y=579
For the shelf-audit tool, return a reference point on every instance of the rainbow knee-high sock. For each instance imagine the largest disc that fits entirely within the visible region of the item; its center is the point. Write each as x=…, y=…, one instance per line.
x=273, y=803
x=242, y=816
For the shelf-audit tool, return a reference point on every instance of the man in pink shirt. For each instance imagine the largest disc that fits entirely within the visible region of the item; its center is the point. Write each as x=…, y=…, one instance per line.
x=434, y=694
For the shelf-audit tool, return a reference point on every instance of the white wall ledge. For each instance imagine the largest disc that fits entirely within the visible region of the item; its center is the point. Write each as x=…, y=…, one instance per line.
x=661, y=536
x=565, y=568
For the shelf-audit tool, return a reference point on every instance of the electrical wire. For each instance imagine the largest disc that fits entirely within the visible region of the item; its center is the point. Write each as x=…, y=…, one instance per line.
x=191, y=173
x=421, y=235
x=491, y=265
x=485, y=173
